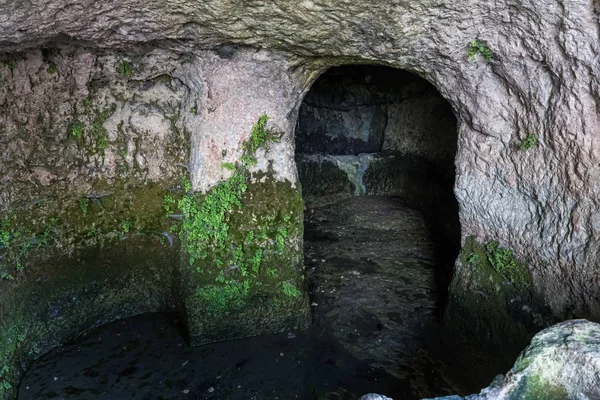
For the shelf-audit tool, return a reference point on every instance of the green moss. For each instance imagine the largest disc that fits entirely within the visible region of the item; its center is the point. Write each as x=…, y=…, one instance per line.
x=530, y=142
x=126, y=226
x=251, y=266
x=474, y=259
x=99, y=133
x=259, y=137
x=506, y=264
x=16, y=244
x=521, y=364
x=75, y=129
x=232, y=238
x=534, y=387
x=4, y=233
x=205, y=224
x=501, y=260
x=186, y=184
x=228, y=166
x=52, y=69
x=124, y=68
x=290, y=290
x=84, y=204
x=479, y=47
x=168, y=203
x=39, y=231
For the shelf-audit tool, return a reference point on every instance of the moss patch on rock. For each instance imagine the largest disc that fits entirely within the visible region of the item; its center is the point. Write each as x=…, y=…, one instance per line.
x=493, y=310
x=42, y=230
x=499, y=259
x=242, y=253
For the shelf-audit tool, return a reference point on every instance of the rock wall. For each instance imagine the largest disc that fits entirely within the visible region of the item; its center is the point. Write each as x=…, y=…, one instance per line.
x=528, y=153
x=88, y=154
x=358, y=109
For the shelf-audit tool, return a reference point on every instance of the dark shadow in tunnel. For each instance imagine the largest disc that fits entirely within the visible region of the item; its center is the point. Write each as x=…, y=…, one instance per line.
x=373, y=130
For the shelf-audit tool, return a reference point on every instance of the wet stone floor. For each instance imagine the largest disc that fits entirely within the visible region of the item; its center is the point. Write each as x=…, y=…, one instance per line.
x=371, y=266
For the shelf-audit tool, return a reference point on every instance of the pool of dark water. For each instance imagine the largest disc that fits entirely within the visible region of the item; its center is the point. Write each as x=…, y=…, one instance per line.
x=371, y=266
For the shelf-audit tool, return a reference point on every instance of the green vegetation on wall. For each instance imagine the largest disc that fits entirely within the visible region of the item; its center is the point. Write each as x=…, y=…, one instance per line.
x=500, y=259
x=479, y=47
x=97, y=134
x=76, y=129
x=124, y=68
x=530, y=142
x=16, y=243
x=232, y=254
x=98, y=131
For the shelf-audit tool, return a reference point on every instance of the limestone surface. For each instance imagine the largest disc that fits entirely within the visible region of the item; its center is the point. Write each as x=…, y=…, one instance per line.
x=237, y=59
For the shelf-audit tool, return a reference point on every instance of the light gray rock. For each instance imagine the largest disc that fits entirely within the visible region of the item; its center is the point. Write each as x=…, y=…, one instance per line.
x=226, y=114
x=562, y=362
x=373, y=396
x=248, y=58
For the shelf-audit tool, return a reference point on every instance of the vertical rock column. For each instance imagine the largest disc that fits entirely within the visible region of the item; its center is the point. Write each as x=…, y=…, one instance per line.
x=241, y=266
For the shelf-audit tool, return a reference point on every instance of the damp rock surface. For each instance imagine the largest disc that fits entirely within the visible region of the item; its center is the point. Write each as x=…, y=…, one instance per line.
x=373, y=274
x=375, y=329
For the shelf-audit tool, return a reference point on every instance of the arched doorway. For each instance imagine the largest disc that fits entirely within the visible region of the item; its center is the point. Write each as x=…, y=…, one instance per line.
x=375, y=150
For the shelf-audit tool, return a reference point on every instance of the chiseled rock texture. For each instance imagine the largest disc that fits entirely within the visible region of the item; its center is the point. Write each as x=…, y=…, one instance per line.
x=562, y=362
x=239, y=59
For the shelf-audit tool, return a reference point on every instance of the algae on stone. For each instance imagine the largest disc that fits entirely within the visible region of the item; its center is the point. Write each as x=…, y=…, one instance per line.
x=82, y=226
x=240, y=252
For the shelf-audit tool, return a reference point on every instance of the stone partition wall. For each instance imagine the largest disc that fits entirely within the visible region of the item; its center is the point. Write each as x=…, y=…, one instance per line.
x=231, y=61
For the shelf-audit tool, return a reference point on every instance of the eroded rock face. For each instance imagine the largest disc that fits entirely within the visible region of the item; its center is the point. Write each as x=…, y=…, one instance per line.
x=541, y=203
x=87, y=157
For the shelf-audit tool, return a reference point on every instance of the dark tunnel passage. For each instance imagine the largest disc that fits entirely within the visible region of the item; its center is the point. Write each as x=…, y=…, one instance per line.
x=380, y=131
x=375, y=149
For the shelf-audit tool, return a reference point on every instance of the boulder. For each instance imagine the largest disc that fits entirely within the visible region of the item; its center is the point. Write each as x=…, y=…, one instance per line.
x=562, y=362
